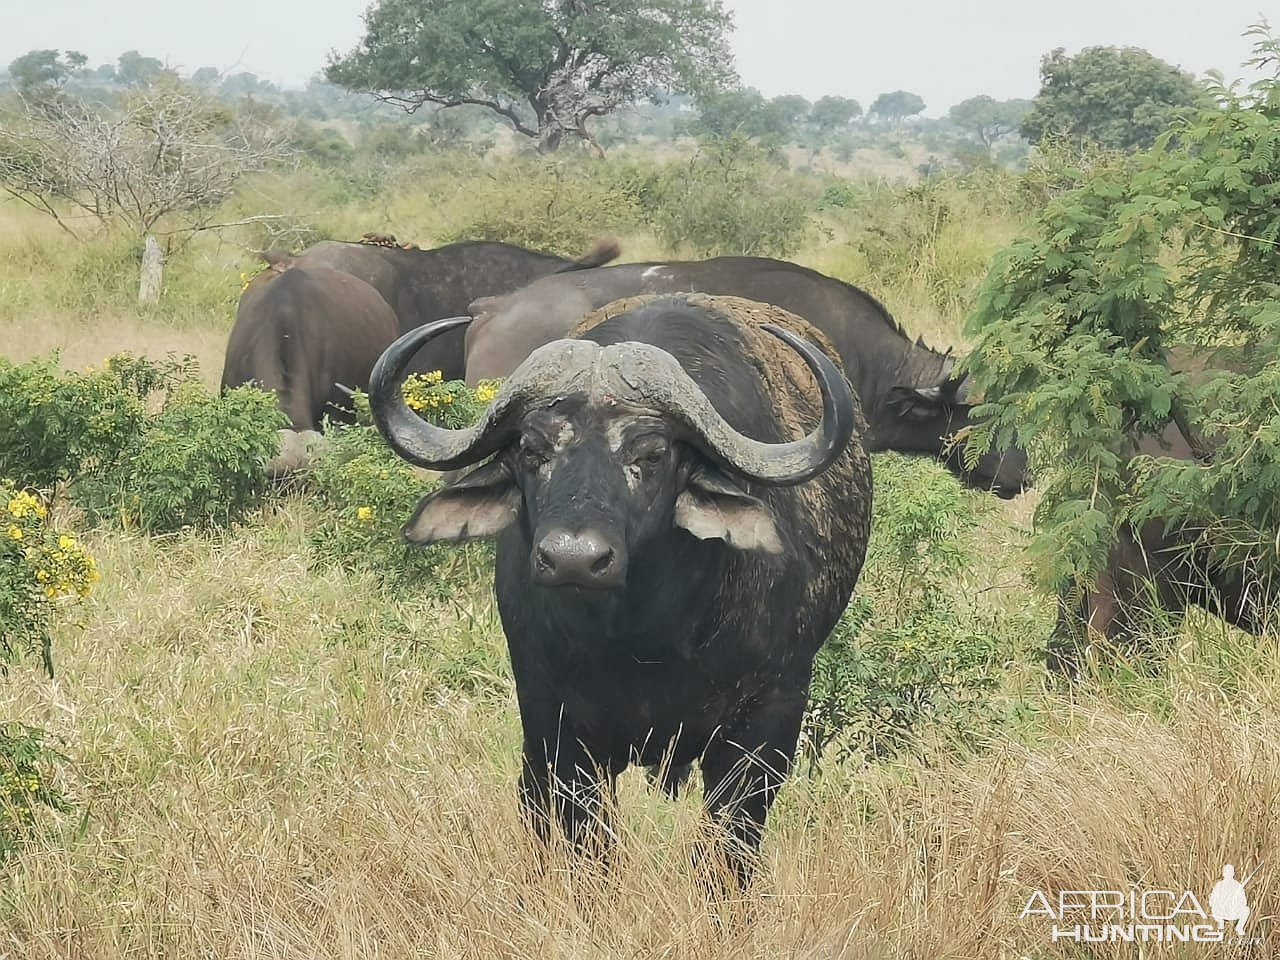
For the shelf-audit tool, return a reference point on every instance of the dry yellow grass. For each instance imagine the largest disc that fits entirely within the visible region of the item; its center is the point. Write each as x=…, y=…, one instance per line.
x=272, y=768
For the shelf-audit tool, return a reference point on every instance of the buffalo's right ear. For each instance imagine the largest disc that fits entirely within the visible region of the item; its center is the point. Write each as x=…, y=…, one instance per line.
x=482, y=503
x=713, y=507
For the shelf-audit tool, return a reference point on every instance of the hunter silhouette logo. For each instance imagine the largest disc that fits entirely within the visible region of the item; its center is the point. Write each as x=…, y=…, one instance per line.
x=1228, y=900
x=1145, y=916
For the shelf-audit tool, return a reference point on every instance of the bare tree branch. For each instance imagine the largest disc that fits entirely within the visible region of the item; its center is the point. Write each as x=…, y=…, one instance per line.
x=411, y=102
x=163, y=150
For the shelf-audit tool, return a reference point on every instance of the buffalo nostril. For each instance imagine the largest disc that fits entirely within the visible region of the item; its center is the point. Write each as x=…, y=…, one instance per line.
x=603, y=562
x=543, y=559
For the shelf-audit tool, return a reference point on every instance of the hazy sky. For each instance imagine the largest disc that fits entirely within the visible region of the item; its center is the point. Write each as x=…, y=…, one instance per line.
x=945, y=50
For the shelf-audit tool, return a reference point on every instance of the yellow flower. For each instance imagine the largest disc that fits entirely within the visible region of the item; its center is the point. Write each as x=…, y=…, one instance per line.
x=364, y=514
x=15, y=532
x=50, y=592
x=485, y=393
x=66, y=542
x=435, y=376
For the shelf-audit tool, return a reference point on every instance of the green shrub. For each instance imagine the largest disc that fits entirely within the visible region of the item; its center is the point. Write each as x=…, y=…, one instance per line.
x=199, y=462
x=553, y=207
x=369, y=493
x=906, y=659
x=41, y=568
x=139, y=441
x=729, y=199
x=25, y=787
x=62, y=424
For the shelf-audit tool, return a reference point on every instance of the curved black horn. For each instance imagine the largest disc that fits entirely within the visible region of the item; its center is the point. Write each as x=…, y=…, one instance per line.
x=438, y=448
x=409, y=435
x=783, y=464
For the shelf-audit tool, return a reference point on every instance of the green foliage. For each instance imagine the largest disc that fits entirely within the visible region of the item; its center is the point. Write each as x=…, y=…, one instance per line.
x=40, y=569
x=38, y=71
x=25, y=783
x=546, y=67
x=908, y=660
x=1120, y=98
x=1120, y=316
x=60, y=424
x=921, y=236
x=199, y=462
x=196, y=460
x=728, y=199
x=547, y=206
x=895, y=107
x=369, y=493
x=987, y=119
x=829, y=115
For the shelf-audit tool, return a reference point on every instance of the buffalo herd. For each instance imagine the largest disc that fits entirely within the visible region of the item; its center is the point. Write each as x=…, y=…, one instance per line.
x=676, y=471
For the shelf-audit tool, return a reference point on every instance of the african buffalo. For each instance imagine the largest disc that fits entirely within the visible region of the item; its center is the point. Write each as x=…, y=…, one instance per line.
x=426, y=285
x=912, y=403
x=302, y=330
x=1151, y=567
x=672, y=547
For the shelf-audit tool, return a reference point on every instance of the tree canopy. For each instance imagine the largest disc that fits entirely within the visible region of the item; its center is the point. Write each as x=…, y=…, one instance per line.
x=546, y=66
x=829, y=114
x=1118, y=97
x=1121, y=314
x=897, y=106
x=45, y=69
x=988, y=119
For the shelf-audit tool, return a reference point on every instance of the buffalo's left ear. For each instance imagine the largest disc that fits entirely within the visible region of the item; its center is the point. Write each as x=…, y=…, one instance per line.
x=712, y=507
x=482, y=503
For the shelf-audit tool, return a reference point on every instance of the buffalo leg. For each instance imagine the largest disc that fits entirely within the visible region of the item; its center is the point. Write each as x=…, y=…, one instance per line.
x=560, y=775
x=742, y=769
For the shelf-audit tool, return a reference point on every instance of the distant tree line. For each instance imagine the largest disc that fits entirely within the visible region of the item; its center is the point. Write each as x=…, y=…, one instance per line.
x=558, y=72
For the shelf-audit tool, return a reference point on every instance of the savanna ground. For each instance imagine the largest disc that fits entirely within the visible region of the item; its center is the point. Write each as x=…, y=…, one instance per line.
x=271, y=756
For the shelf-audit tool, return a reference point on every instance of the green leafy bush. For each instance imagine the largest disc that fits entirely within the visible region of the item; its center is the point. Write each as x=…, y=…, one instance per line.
x=555, y=207
x=730, y=198
x=1145, y=298
x=57, y=424
x=138, y=440
x=25, y=783
x=906, y=657
x=41, y=569
x=199, y=462
x=369, y=493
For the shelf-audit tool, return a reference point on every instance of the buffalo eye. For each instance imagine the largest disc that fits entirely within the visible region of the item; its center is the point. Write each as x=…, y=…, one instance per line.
x=531, y=456
x=649, y=458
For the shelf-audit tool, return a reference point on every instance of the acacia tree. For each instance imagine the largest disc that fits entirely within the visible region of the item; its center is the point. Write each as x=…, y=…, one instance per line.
x=44, y=70
x=545, y=66
x=1121, y=98
x=897, y=106
x=164, y=149
x=988, y=119
x=829, y=114
x=1121, y=315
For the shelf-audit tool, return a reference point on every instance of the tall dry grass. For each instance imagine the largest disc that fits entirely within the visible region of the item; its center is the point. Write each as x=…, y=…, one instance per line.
x=272, y=767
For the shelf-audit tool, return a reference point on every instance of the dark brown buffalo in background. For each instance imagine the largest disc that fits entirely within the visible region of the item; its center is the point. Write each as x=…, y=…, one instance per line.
x=425, y=285
x=911, y=402
x=301, y=331
x=1151, y=568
